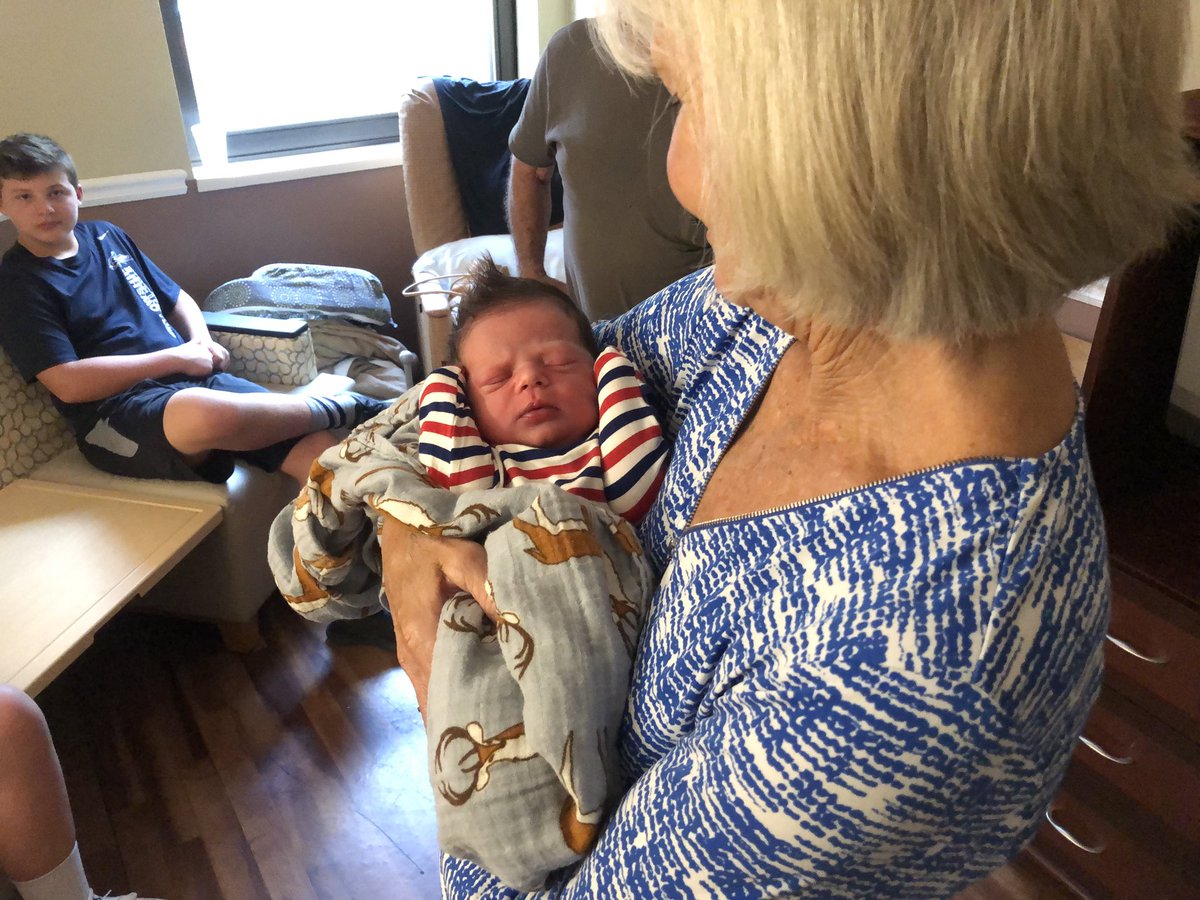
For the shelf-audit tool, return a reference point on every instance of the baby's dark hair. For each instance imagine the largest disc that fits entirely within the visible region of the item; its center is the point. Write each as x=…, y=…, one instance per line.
x=25, y=155
x=487, y=288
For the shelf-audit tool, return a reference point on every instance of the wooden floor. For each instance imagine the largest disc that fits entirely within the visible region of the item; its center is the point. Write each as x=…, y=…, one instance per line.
x=297, y=771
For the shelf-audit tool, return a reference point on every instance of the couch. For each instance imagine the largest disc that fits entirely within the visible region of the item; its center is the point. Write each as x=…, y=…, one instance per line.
x=225, y=579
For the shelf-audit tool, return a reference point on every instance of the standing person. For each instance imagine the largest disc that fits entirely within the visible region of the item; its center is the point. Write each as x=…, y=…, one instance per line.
x=624, y=235
x=125, y=352
x=884, y=582
x=37, y=831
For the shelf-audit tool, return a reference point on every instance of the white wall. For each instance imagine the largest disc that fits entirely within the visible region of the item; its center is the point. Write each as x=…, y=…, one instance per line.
x=95, y=76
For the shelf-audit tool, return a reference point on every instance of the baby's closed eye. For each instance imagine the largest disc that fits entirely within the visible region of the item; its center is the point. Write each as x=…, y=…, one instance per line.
x=493, y=378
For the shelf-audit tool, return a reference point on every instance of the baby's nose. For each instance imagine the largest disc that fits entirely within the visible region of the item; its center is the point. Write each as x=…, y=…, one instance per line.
x=532, y=375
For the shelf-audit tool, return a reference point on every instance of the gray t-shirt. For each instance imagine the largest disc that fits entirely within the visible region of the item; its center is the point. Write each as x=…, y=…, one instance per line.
x=625, y=235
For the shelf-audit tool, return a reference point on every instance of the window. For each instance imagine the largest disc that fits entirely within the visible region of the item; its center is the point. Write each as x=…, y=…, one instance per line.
x=262, y=78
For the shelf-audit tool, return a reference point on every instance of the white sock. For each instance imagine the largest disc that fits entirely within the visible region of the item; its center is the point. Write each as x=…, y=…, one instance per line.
x=65, y=881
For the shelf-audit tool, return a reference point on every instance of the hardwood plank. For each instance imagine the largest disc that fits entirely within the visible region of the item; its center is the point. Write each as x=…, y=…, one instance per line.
x=270, y=833
x=1022, y=879
x=225, y=846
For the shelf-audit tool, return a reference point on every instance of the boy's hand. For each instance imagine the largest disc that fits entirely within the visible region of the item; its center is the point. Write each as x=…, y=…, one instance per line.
x=220, y=356
x=192, y=358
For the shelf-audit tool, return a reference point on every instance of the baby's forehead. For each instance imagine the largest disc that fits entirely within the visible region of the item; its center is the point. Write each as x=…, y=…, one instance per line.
x=547, y=322
x=534, y=305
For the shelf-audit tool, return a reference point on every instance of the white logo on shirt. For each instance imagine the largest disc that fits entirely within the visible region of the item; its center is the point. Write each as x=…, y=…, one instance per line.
x=120, y=262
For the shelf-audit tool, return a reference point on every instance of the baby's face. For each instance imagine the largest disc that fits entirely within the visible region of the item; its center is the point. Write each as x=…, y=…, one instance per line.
x=529, y=379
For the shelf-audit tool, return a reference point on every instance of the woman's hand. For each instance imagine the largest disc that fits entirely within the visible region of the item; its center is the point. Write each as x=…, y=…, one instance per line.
x=420, y=573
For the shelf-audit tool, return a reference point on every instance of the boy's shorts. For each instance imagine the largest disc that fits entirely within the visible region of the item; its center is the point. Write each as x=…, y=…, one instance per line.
x=127, y=435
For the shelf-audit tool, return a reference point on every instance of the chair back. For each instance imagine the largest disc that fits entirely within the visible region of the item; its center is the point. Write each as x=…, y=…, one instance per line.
x=435, y=210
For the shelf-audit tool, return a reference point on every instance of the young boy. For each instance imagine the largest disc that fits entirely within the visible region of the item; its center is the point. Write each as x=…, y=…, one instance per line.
x=125, y=353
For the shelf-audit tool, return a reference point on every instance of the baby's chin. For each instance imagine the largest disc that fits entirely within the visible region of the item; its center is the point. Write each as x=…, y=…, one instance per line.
x=547, y=436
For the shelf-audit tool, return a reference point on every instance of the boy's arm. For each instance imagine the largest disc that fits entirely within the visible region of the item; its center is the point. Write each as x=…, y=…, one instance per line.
x=189, y=322
x=88, y=380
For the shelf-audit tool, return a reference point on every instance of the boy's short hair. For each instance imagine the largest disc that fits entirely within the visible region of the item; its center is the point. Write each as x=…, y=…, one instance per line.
x=25, y=155
x=488, y=288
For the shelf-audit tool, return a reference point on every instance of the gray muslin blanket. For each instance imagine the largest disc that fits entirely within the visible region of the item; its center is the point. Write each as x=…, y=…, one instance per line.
x=523, y=714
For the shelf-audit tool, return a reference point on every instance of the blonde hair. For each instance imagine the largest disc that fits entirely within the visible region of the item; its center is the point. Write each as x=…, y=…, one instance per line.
x=927, y=167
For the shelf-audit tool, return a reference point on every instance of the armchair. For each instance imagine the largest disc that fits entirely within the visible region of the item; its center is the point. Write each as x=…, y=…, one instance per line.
x=441, y=234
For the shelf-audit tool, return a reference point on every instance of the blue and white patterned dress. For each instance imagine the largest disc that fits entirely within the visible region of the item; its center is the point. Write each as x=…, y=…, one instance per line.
x=872, y=694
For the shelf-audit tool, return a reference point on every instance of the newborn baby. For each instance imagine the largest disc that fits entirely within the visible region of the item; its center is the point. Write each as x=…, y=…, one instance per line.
x=543, y=451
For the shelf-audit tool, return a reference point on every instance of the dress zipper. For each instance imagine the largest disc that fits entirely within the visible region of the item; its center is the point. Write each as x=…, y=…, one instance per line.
x=842, y=493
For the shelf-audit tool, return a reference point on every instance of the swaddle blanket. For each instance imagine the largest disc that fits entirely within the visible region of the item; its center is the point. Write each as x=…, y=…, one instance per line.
x=523, y=715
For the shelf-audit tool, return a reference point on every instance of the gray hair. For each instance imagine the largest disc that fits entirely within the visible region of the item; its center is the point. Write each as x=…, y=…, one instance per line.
x=927, y=167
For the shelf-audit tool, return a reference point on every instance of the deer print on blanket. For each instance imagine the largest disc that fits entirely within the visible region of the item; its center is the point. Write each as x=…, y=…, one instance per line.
x=465, y=756
x=570, y=586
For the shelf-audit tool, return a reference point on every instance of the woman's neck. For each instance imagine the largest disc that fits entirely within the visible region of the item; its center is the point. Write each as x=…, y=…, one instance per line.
x=999, y=396
x=845, y=408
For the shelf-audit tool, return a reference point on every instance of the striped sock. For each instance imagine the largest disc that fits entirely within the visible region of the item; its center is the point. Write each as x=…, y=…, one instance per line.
x=344, y=410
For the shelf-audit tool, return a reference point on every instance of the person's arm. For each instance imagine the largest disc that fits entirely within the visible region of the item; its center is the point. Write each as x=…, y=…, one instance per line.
x=420, y=573
x=189, y=322
x=98, y=377
x=87, y=380
x=670, y=336
x=529, y=206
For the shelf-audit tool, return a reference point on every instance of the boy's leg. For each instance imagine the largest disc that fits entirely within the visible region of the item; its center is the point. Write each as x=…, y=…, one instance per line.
x=197, y=420
x=233, y=414
x=193, y=428
x=304, y=452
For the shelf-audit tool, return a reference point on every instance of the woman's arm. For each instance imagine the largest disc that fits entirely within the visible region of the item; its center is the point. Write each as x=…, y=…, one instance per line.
x=660, y=337
x=420, y=573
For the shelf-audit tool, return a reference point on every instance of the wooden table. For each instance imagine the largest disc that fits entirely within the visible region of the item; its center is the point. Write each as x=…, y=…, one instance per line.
x=70, y=558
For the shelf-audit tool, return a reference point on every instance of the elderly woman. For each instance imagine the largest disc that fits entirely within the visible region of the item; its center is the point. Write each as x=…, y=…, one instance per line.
x=883, y=575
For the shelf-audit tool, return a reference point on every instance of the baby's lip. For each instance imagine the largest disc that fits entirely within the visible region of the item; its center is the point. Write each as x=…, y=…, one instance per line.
x=537, y=410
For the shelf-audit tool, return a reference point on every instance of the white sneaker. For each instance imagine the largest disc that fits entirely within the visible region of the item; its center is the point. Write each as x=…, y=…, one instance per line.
x=96, y=896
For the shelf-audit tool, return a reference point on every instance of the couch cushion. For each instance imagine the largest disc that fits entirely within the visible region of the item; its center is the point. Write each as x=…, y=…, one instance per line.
x=70, y=467
x=31, y=430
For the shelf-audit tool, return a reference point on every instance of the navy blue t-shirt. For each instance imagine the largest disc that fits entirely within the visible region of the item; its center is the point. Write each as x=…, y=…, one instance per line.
x=107, y=300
